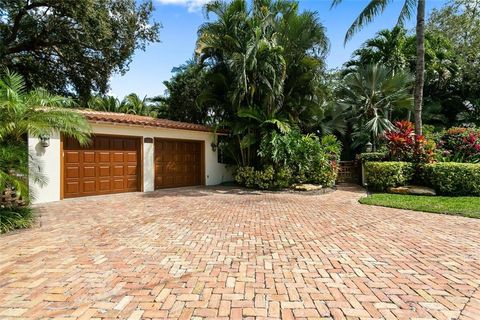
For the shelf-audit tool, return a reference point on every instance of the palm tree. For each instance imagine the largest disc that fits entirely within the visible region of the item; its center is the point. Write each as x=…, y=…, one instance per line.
x=376, y=7
x=36, y=113
x=133, y=104
x=104, y=103
x=243, y=45
x=387, y=47
x=370, y=94
x=267, y=59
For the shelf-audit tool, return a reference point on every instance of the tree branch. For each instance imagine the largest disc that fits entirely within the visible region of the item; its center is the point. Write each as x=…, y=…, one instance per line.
x=19, y=17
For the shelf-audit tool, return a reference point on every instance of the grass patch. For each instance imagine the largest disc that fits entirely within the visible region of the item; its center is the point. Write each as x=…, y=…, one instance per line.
x=15, y=218
x=463, y=206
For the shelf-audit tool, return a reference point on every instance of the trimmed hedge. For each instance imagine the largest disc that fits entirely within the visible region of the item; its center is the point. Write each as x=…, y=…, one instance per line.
x=373, y=156
x=382, y=175
x=453, y=178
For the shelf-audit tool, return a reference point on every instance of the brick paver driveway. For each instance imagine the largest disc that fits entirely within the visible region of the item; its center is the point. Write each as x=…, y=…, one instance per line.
x=226, y=253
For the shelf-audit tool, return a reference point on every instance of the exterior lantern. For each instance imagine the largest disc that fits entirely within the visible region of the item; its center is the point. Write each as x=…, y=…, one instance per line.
x=44, y=140
x=369, y=147
x=214, y=146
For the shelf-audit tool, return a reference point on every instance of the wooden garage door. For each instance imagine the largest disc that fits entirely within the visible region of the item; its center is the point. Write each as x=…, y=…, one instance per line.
x=108, y=165
x=177, y=163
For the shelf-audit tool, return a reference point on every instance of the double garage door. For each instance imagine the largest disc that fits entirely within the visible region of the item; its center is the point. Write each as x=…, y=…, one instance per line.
x=112, y=164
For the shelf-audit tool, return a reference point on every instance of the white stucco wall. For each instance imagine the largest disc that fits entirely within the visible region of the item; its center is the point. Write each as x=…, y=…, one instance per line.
x=47, y=160
x=50, y=157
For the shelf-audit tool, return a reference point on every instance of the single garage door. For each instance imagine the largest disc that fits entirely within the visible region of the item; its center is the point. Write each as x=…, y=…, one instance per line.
x=108, y=165
x=178, y=163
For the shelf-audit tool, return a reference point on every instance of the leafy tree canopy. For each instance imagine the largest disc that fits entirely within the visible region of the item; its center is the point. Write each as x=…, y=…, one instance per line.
x=459, y=21
x=72, y=47
x=184, y=100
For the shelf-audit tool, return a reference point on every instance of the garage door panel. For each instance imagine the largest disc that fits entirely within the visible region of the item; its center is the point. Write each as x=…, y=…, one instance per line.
x=118, y=157
x=177, y=163
x=109, y=165
x=119, y=184
x=131, y=170
x=118, y=171
x=88, y=157
x=103, y=156
x=72, y=157
x=72, y=172
x=131, y=183
x=88, y=186
x=72, y=187
x=131, y=157
x=89, y=172
x=105, y=185
x=104, y=171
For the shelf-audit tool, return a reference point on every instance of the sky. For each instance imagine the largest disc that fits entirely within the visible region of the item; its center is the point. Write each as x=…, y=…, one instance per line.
x=181, y=18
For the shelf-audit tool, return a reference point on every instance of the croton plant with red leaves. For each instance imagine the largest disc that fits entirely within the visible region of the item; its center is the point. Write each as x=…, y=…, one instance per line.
x=404, y=145
x=460, y=145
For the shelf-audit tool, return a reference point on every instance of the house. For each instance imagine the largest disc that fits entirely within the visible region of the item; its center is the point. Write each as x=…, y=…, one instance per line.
x=127, y=153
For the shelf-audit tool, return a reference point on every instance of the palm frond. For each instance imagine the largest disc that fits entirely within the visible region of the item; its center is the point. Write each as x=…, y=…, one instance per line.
x=406, y=12
x=374, y=8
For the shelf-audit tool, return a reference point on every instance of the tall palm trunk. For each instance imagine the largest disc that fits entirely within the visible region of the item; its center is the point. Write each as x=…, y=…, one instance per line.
x=420, y=69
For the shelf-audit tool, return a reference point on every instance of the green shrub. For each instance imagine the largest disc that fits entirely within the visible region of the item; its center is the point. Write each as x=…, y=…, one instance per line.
x=310, y=159
x=373, y=156
x=459, y=145
x=266, y=179
x=452, y=178
x=15, y=218
x=245, y=176
x=382, y=175
x=283, y=178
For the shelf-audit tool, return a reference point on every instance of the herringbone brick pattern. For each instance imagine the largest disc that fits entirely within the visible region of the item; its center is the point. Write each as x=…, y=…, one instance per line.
x=198, y=253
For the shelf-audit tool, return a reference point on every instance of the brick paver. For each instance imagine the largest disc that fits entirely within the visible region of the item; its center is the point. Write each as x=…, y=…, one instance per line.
x=222, y=253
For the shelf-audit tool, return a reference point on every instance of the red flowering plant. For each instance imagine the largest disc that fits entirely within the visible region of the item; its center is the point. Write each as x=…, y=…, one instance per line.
x=460, y=145
x=404, y=145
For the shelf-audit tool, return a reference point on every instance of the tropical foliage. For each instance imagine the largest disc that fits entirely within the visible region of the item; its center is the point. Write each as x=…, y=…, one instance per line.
x=371, y=94
x=15, y=218
x=291, y=157
x=404, y=145
x=459, y=21
x=459, y=145
x=376, y=7
x=444, y=102
x=185, y=99
x=311, y=159
x=131, y=104
x=263, y=68
x=36, y=113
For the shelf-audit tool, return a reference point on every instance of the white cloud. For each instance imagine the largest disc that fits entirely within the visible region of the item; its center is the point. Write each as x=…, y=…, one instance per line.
x=191, y=5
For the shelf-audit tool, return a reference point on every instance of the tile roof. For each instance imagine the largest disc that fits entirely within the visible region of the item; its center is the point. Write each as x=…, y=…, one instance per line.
x=113, y=117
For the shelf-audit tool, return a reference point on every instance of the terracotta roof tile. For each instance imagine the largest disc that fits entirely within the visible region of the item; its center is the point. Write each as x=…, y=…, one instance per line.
x=112, y=117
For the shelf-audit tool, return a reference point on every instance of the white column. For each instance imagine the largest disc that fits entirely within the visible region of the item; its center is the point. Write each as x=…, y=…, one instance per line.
x=148, y=166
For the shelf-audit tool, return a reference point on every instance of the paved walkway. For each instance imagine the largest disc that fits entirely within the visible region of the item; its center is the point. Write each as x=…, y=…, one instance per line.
x=223, y=253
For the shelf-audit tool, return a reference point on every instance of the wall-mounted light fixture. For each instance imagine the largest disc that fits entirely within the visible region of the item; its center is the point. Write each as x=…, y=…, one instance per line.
x=44, y=140
x=214, y=146
x=369, y=147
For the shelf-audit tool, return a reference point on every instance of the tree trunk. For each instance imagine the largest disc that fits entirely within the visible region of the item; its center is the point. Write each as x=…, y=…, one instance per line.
x=420, y=69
